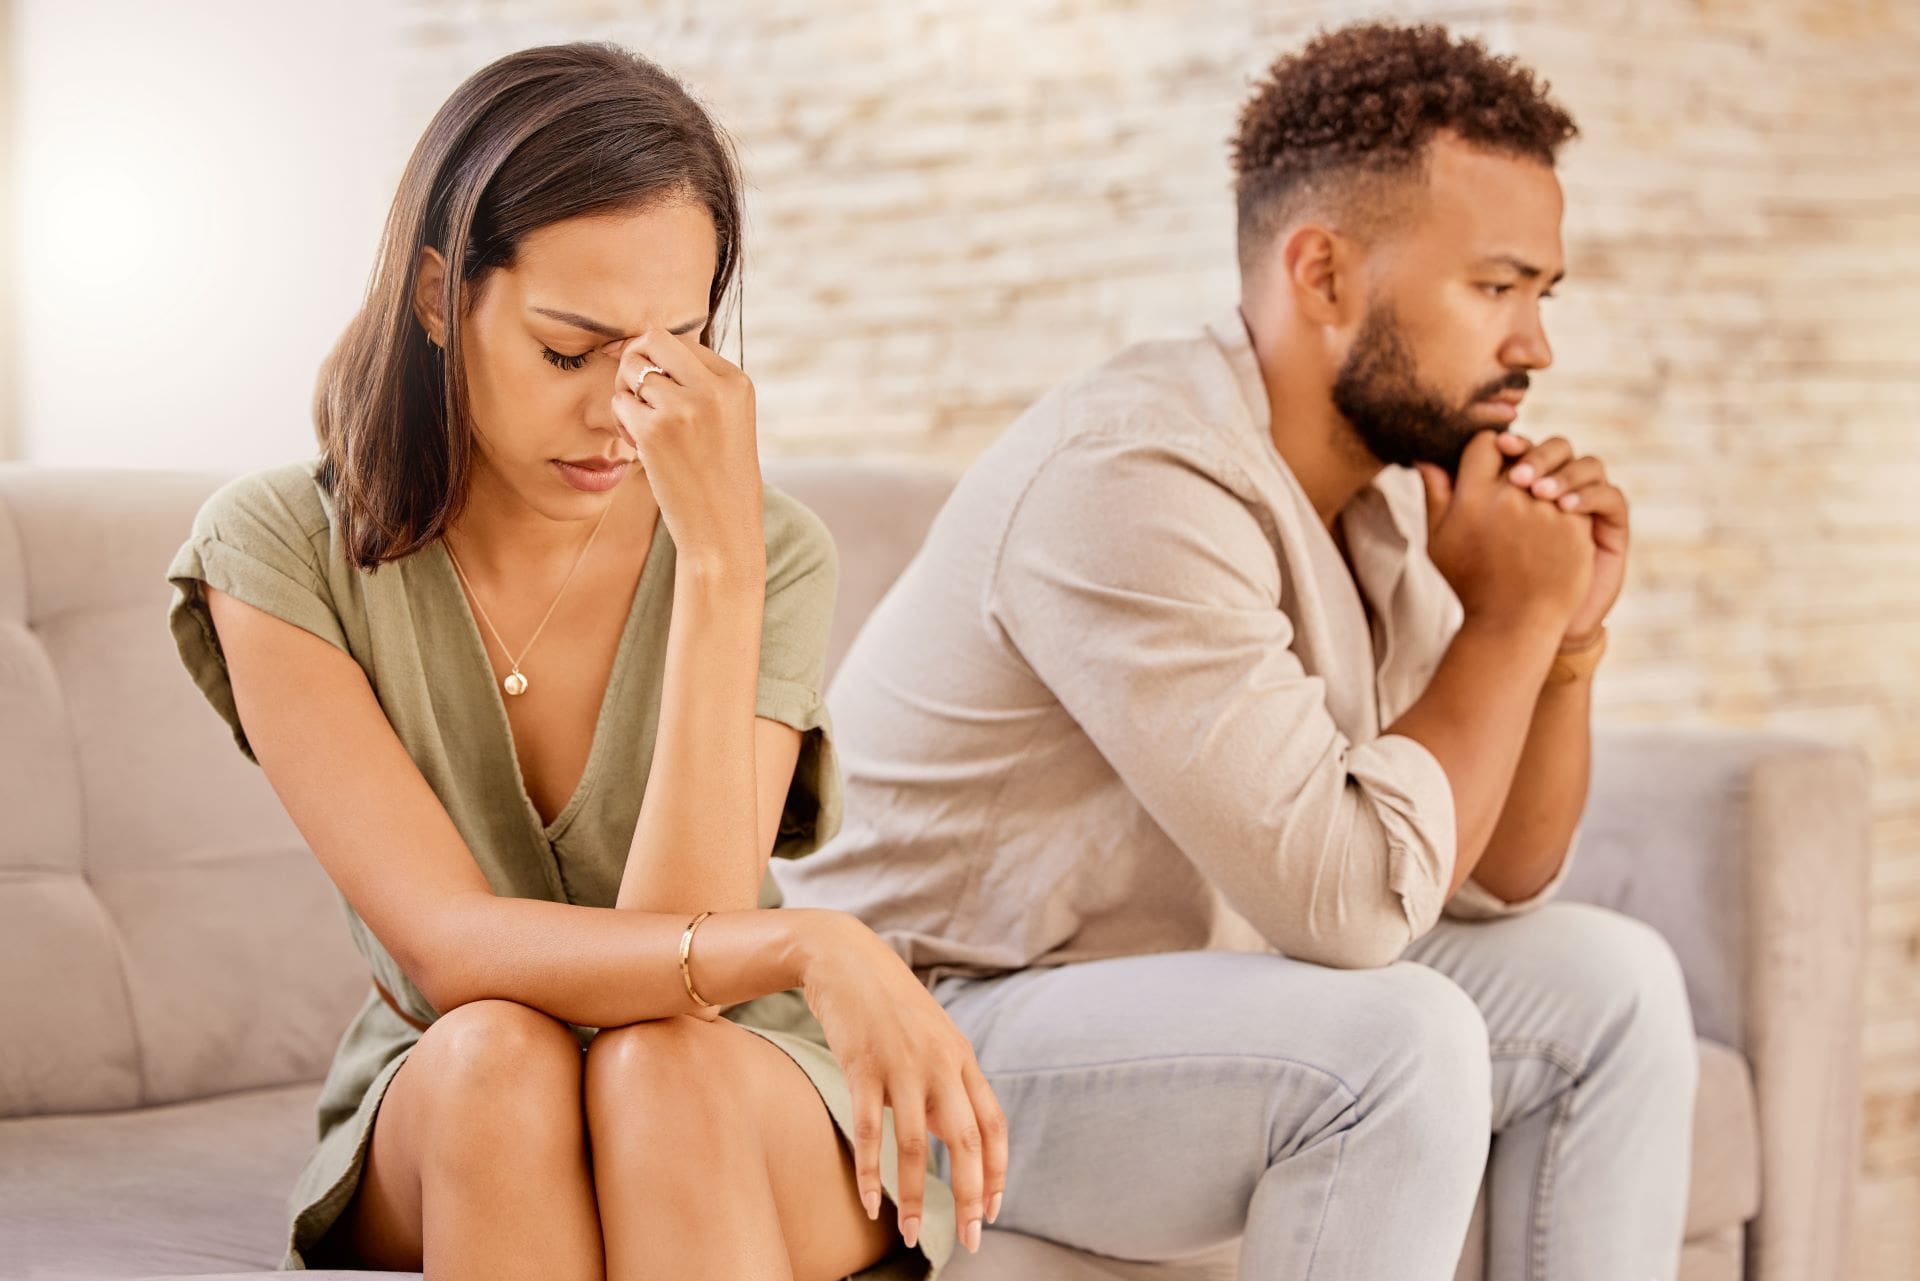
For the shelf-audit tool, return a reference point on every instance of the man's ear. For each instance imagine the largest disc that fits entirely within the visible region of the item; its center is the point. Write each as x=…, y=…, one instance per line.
x=429, y=294
x=1320, y=266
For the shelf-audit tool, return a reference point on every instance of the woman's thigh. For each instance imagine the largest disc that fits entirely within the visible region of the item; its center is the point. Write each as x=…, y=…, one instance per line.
x=489, y=1084
x=828, y=1234
x=728, y=1076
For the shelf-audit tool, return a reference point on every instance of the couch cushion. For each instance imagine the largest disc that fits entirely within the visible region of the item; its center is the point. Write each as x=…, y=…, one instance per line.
x=175, y=936
x=878, y=514
x=191, y=1187
x=1726, y=1144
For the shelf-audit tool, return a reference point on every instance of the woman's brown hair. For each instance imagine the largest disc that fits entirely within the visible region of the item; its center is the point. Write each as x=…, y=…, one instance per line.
x=538, y=137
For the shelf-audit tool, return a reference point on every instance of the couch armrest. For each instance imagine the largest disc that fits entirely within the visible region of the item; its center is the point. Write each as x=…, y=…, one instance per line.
x=1749, y=852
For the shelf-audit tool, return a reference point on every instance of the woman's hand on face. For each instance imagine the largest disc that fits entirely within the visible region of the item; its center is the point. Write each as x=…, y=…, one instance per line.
x=900, y=1050
x=692, y=423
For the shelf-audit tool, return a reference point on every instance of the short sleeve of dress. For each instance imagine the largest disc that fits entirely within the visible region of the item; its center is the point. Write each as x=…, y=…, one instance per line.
x=261, y=539
x=803, y=574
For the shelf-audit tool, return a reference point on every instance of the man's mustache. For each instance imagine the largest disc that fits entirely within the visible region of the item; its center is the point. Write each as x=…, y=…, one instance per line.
x=1518, y=380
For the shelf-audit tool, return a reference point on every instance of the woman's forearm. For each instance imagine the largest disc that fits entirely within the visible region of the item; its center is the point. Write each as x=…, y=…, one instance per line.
x=599, y=967
x=695, y=847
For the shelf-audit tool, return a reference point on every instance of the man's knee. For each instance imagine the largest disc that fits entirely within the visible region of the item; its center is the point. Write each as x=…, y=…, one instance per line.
x=1434, y=1035
x=1418, y=1070
x=1627, y=985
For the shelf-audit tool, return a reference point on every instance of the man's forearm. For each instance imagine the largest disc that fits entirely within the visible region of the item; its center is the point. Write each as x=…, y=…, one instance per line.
x=1476, y=717
x=1548, y=793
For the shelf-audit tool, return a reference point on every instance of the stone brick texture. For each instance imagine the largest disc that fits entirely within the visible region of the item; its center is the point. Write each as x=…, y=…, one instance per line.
x=953, y=205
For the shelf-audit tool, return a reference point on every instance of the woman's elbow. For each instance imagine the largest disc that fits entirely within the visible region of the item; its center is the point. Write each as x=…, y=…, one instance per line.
x=443, y=963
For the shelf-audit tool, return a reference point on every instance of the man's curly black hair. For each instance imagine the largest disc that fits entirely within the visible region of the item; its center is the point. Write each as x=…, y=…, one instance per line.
x=1347, y=120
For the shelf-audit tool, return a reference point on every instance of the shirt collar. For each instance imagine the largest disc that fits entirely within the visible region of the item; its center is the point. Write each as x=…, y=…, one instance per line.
x=1392, y=500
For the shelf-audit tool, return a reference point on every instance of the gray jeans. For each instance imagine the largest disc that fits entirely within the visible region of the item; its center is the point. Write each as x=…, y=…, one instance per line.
x=1341, y=1122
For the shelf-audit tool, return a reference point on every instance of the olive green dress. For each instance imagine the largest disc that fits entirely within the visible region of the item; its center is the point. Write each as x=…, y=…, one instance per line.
x=269, y=539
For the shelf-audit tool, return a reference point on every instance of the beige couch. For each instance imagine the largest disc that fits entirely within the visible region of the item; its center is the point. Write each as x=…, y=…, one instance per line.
x=176, y=969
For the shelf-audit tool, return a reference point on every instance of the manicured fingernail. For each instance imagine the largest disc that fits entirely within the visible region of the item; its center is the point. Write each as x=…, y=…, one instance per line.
x=872, y=1201
x=993, y=1208
x=1547, y=488
x=1523, y=474
x=1570, y=502
x=910, y=1231
x=972, y=1236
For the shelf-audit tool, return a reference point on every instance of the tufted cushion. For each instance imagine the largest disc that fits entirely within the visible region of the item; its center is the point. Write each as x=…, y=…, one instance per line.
x=177, y=938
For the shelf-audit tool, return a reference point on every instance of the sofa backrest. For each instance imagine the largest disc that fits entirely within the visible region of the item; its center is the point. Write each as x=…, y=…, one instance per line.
x=164, y=932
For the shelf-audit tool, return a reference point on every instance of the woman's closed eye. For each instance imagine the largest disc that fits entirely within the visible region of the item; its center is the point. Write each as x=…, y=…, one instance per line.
x=560, y=361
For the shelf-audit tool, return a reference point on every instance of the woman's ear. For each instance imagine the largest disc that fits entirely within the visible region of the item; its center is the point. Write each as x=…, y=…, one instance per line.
x=429, y=294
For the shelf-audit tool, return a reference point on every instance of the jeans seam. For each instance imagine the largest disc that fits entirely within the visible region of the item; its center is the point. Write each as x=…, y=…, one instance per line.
x=1553, y=1052
x=1156, y=1059
x=1542, y=1213
x=1326, y=1206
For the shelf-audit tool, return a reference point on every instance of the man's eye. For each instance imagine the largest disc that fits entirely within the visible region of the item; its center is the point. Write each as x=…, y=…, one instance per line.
x=1496, y=290
x=559, y=361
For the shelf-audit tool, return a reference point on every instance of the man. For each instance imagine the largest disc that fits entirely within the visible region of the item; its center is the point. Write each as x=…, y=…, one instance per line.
x=1232, y=668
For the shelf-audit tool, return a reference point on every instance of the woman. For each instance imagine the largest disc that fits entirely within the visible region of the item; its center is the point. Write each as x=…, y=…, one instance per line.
x=534, y=664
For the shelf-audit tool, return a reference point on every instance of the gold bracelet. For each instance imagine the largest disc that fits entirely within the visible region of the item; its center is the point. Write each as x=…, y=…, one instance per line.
x=686, y=955
x=1573, y=665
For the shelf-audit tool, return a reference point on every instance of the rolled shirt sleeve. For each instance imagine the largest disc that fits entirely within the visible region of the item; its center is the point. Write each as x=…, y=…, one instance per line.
x=803, y=574
x=1139, y=583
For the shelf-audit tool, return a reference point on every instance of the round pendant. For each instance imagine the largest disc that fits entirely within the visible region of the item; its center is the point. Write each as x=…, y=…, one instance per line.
x=515, y=683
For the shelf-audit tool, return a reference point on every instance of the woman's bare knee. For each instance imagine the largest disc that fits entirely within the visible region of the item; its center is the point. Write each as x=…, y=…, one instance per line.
x=498, y=1078
x=491, y=1083
x=669, y=1080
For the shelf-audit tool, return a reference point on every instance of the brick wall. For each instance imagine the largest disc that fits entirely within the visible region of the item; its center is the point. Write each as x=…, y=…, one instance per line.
x=956, y=204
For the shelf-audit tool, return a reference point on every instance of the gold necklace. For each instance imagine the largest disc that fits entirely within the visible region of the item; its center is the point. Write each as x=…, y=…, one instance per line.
x=515, y=682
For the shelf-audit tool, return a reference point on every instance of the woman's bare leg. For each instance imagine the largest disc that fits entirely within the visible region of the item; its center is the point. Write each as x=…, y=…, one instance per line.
x=714, y=1156
x=478, y=1164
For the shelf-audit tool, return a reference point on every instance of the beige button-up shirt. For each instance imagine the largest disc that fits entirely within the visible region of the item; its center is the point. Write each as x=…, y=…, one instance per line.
x=1128, y=697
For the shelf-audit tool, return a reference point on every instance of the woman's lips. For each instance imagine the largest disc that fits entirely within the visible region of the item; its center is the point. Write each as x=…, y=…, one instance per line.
x=596, y=477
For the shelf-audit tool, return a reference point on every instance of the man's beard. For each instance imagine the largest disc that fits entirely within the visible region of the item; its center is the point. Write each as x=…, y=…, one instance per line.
x=1399, y=421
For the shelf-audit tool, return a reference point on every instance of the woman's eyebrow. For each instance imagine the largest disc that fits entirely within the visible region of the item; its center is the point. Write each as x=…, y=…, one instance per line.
x=605, y=330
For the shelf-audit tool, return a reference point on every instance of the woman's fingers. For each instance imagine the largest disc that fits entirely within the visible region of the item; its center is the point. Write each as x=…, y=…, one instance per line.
x=993, y=1130
x=868, y=1135
x=666, y=349
x=910, y=1141
x=869, y=1129
x=960, y=1131
x=716, y=363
